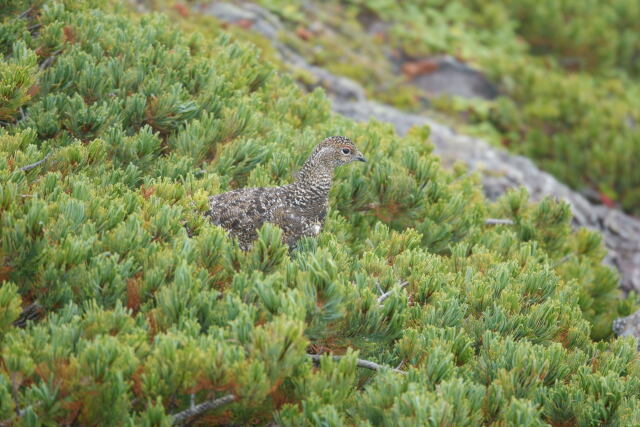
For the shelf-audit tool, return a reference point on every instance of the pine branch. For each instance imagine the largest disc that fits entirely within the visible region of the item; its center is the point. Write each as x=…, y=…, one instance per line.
x=198, y=410
x=203, y=407
x=497, y=221
x=361, y=363
x=386, y=295
x=36, y=164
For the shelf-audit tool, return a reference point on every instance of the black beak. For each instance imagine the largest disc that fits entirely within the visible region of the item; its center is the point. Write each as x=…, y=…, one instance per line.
x=361, y=158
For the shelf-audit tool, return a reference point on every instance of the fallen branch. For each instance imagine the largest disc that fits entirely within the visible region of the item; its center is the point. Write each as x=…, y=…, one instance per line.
x=359, y=362
x=497, y=221
x=203, y=407
x=36, y=164
x=386, y=295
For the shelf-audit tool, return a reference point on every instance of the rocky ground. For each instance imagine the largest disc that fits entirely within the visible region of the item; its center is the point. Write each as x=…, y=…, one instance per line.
x=499, y=170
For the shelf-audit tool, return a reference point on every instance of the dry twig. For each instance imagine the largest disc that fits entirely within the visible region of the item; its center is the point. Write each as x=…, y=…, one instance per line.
x=203, y=407
x=361, y=363
x=497, y=221
x=36, y=164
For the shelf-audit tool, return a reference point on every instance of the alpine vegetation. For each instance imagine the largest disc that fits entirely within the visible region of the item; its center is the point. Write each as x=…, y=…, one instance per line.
x=298, y=209
x=407, y=309
x=566, y=73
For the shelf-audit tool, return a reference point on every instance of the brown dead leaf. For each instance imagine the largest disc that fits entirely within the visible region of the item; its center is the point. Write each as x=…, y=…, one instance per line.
x=147, y=192
x=5, y=270
x=69, y=35
x=33, y=90
x=133, y=293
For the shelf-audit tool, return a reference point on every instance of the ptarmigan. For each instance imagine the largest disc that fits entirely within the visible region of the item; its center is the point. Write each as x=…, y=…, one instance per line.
x=298, y=209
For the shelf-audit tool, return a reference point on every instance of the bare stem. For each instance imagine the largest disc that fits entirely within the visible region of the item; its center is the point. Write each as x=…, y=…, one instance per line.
x=197, y=410
x=36, y=164
x=386, y=295
x=497, y=221
x=203, y=407
x=360, y=363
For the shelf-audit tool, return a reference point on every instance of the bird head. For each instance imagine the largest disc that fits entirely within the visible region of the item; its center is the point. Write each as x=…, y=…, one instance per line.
x=337, y=151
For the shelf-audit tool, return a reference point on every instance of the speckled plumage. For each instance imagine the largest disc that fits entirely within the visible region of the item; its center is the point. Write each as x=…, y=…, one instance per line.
x=298, y=208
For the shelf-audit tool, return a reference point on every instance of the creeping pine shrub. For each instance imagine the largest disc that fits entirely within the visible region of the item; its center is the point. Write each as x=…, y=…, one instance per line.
x=566, y=73
x=137, y=123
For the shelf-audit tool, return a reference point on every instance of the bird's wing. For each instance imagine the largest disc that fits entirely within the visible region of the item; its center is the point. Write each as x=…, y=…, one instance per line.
x=243, y=210
x=289, y=218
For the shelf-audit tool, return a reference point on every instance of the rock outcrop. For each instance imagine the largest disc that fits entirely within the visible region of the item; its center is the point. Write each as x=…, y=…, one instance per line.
x=628, y=326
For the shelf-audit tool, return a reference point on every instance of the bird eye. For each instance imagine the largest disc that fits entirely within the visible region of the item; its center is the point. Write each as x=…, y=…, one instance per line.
x=346, y=151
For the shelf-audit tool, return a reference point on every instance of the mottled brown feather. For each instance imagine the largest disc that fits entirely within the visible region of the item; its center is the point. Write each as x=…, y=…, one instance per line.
x=298, y=209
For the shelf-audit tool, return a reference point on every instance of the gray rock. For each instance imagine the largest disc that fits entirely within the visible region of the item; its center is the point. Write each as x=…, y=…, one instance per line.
x=267, y=24
x=452, y=77
x=628, y=326
x=436, y=75
x=227, y=12
x=262, y=21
